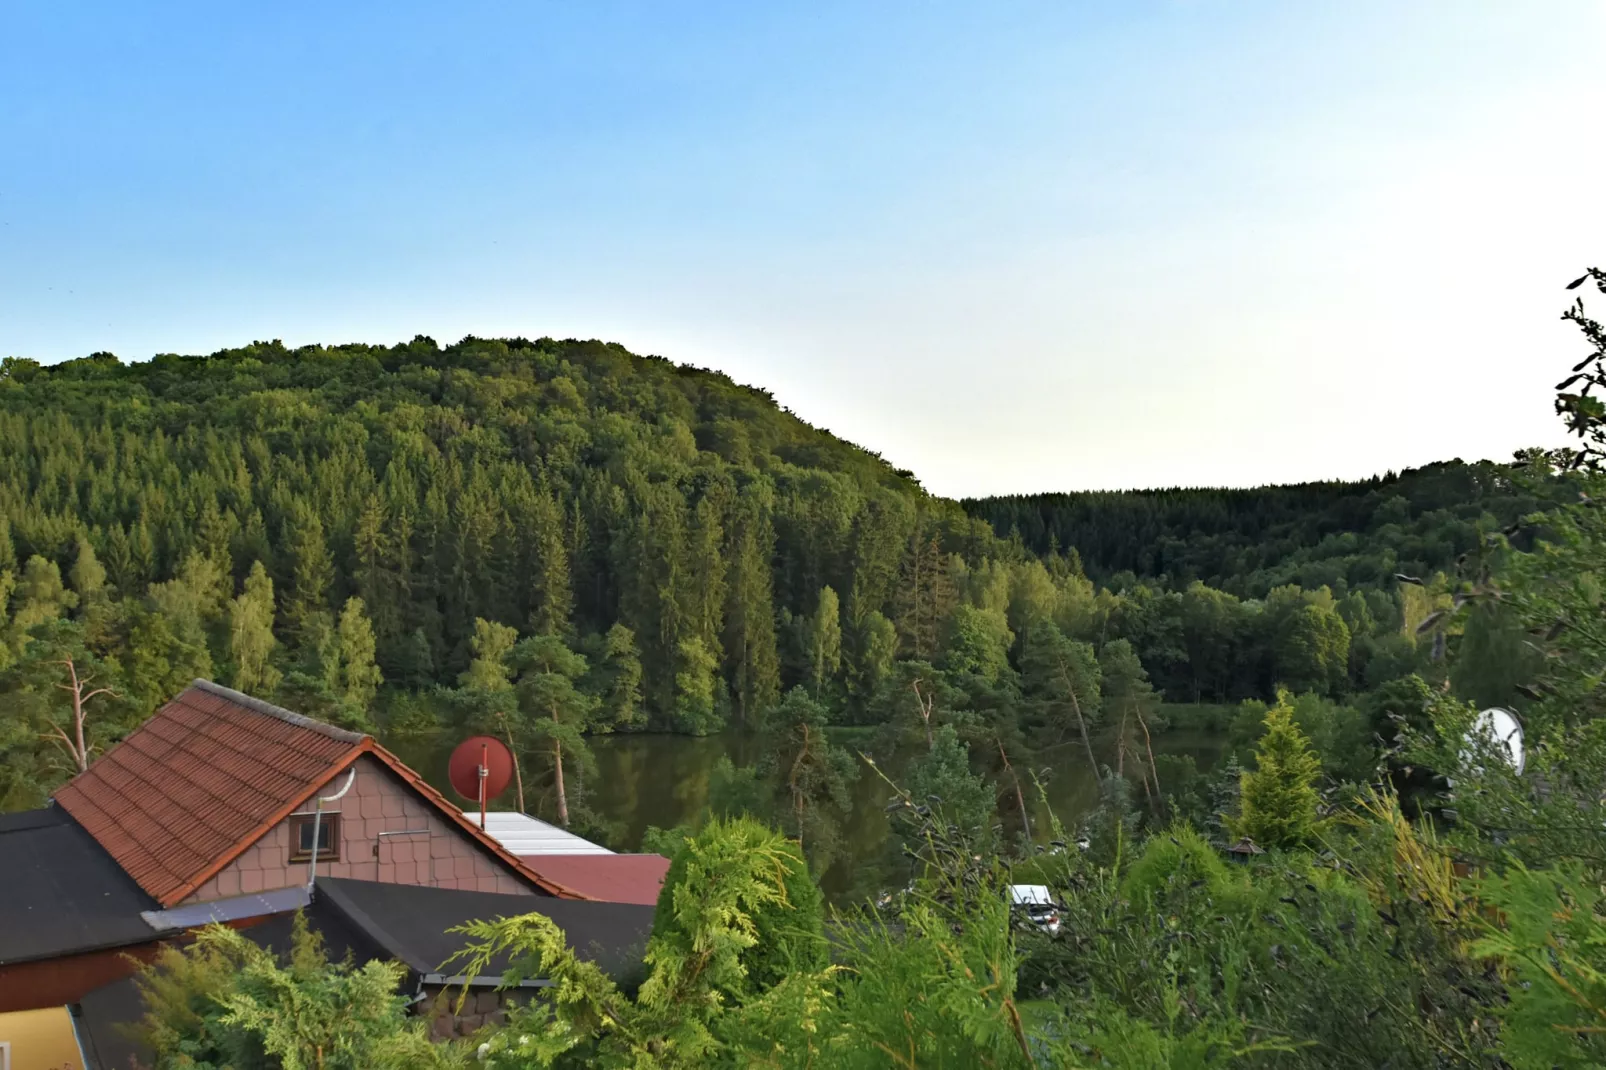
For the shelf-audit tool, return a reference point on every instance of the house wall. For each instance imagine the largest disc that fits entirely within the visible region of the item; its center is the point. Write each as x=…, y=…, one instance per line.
x=445, y=857
x=69, y=978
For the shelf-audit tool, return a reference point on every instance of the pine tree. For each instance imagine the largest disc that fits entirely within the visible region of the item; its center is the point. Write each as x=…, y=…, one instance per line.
x=814, y=775
x=40, y=595
x=825, y=639
x=704, y=606
x=752, y=658
x=551, y=595
x=622, y=705
x=359, y=677
x=312, y=570
x=251, y=640
x=925, y=597
x=491, y=645
x=696, y=680
x=556, y=712
x=1278, y=799
x=375, y=581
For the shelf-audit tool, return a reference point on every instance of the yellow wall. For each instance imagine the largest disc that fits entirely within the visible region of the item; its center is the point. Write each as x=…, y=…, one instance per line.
x=41, y=1040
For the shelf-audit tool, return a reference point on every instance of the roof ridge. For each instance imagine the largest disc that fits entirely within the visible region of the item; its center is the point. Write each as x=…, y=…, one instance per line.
x=301, y=720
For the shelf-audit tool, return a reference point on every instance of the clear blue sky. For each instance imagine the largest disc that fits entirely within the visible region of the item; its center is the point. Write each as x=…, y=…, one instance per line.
x=1011, y=246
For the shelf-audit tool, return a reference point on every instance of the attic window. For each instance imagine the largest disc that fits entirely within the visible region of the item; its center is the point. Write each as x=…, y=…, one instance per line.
x=328, y=837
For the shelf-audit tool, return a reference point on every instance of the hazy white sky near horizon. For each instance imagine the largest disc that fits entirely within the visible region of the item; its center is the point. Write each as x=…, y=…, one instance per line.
x=1012, y=247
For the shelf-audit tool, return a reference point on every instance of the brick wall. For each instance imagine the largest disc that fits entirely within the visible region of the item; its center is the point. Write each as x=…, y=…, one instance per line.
x=484, y=1006
x=445, y=857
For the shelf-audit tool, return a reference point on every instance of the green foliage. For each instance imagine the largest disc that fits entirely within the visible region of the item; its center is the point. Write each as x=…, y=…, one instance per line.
x=223, y=1003
x=789, y=930
x=1552, y=937
x=1279, y=798
x=812, y=776
x=696, y=701
x=942, y=778
x=700, y=961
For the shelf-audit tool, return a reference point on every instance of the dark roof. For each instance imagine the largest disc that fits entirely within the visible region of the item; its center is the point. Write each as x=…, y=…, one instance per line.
x=104, y=1015
x=409, y=923
x=206, y=777
x=61, y=893
x=366, y=920
x=611, y=878
x=102, y=1018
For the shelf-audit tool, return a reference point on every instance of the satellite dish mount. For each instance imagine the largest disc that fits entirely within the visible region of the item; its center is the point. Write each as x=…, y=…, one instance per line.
x=479, y=770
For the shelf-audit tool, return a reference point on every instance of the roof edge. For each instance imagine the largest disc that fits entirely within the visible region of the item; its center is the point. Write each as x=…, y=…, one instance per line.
x=178, y=895
x=300, y=720
x=455, y=815
x=372, y=930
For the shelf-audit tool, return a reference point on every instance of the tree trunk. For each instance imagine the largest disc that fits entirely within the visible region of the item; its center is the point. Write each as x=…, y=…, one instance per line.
x=518, y=777
x=925, y=713
x=557, y=763
x=1080, y=722
x=1020, y=797
x=82, y=752
x=1148, y=745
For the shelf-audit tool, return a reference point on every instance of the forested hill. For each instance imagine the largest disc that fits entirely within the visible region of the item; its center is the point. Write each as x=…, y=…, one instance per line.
x=1343, y=535
x=557, y=487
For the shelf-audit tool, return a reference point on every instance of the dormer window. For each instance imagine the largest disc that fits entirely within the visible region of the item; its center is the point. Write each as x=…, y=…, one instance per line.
x=328, y=837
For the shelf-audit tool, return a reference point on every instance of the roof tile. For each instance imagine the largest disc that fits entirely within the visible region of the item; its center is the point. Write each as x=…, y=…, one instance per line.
x=192, y=784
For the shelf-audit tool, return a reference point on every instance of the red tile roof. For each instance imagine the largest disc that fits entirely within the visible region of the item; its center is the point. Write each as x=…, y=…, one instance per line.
x=610, y=878
x=190, y=789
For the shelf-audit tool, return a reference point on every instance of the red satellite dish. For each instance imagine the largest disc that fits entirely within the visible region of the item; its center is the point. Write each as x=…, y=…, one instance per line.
x=463, y=769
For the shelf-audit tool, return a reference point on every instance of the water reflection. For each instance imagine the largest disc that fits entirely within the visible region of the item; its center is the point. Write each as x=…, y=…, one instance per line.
x=662, y=780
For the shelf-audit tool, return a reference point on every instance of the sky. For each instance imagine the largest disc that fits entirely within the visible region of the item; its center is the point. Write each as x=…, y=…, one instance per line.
x=1012, y=246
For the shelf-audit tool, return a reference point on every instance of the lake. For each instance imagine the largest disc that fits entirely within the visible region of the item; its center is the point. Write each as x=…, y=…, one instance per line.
x=647, y=779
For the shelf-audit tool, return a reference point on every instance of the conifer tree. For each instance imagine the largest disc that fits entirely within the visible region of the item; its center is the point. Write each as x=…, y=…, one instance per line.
x=696, y=677
x=925, y=596
x=825, y=639
x=251, y=640
x=1278, y=799
x=621, y=666
x=705, y=594
x=814, y=775
x=40, y=595
x=557, y=713
x=754, y=661
x=373, y=575
x=312, y=571
x=359, y=677
x=552, y=596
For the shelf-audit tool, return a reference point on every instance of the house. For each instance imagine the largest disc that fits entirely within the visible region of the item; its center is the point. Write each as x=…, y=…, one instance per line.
x=409, y=924
x=210, y=811
x=226, y=809
x=576, y=863
x=44, y=1039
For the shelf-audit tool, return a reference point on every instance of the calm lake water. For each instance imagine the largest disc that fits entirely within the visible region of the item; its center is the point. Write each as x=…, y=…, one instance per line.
x=662, y=780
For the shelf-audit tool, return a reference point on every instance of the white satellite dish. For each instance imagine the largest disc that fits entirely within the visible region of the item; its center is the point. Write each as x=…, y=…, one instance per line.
x=1502, y=727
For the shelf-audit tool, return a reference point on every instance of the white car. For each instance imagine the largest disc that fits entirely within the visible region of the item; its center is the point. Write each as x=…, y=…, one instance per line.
x=1036, y=903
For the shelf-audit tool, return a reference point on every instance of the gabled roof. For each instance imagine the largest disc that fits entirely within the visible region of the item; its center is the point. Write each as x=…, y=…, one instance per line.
x=189, y=790
x=61, y=893
x=612, y=878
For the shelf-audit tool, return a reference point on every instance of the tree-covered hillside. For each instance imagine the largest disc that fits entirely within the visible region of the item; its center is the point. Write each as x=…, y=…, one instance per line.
x=552, y=539
x=554, y=486
x=1342, y=535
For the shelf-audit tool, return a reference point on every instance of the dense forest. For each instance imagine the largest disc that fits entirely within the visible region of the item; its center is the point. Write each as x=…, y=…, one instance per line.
x=383, y=536
x=552, y=539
